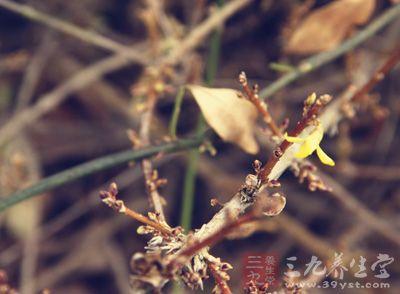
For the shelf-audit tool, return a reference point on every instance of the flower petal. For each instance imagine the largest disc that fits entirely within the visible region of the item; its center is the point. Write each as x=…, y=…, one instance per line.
x=293, y=139
x=325, y=159
x=305, y=150
x=315, y=137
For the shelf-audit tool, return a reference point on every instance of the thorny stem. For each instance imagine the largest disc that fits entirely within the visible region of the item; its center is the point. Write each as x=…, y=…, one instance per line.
x=221, y=283
x=318, y=60
x=96, y=165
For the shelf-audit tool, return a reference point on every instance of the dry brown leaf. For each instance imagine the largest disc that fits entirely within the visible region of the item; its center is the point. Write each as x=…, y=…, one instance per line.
x=232, y=118
x=325, y=28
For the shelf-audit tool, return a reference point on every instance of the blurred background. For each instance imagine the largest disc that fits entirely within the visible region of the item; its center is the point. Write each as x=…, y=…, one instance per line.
x=67, y=241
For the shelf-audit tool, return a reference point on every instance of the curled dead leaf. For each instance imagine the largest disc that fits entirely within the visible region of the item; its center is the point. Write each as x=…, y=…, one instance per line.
x=325, y=28
x=231, y=117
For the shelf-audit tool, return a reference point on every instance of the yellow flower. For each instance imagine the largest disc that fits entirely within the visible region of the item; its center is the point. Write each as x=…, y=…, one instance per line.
x=310, y=144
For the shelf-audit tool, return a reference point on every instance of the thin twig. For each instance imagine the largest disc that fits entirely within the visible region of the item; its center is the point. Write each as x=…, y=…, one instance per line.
x=339, y=192
x=221, y=283
x=275, y=167
x=364, y=214
x=141, y=218
x=147, y=166
x=303, y=236
x=84, y=251
x=376, y=25
x=80, y=80
x=79, y=208
x=75, y=31
x=14, y=62
x=379, y=75
x=221, y=180
x=117, y=261
x=194, y=155
x=203, y=29
x=89, y=238
x=165, y=23
x=252, y=96
x=110, y=198
x=107, y=93
x=382, y=173
x=54, y=98
x=331, y=116
x=34, y=70
x=315, y=61
x=109, y=64
x=31, y=247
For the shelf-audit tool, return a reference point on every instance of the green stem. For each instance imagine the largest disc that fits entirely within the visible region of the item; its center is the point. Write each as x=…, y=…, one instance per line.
x=318, y=60
x=96, y=165
x=213, y=58
x=193, y=158
x=189, y=182
x=177, y=110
